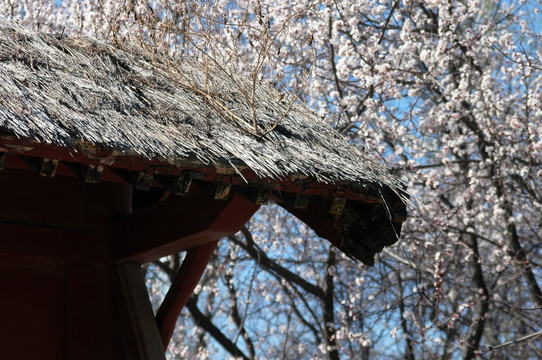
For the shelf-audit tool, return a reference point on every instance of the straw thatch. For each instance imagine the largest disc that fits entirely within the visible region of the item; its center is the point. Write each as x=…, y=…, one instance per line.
x=78, y=92
x=70, y=91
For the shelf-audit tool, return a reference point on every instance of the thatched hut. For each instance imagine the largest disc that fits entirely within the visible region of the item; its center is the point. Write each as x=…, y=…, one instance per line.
x=111, y=159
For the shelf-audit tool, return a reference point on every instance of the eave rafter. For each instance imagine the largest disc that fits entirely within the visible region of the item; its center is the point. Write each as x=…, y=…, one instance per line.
x=104, y=165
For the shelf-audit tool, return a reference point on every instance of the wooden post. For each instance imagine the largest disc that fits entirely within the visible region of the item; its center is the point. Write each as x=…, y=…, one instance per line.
x=181, y=289
x=137, y=314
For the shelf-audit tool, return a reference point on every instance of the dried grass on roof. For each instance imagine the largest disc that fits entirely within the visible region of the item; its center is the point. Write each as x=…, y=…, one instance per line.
x=73, y=91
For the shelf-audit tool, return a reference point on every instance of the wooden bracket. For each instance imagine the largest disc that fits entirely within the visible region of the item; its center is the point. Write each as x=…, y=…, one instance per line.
x=301, y=201
x=222, y=191
x=178, y=185
x=48, y=167
x=263, y=196
x=182, y=185
x=144, y=181
x=94, y=174
x=337, y=206
x=177, y=224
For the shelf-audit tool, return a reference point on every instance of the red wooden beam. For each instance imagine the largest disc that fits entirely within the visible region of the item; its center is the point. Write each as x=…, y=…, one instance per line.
x=183, y=285
x=178, y=224
x=11, y=149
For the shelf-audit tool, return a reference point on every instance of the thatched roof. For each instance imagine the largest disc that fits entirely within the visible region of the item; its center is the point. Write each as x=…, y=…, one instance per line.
x=79, y=93
x=70, y=91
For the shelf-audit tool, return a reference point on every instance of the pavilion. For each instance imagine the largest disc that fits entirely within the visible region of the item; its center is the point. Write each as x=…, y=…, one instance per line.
x=110, y=159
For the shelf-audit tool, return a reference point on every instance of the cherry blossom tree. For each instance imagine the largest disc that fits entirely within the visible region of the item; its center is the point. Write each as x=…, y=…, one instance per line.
x=447, y=93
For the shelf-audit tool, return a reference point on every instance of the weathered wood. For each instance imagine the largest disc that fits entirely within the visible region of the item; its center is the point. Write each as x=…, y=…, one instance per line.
x=360, y=230
x=263, y=196
x=222, y=191
x=48, y=167
x=337, y=206
x=93, y=174
x=144, y=181
x=177, y=224
x=183, y=285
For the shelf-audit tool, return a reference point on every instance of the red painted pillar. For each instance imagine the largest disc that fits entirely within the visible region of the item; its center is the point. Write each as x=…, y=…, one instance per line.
x=186, y=280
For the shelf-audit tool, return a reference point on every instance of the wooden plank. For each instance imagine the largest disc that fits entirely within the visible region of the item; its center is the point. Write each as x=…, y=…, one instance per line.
x=177, y=224
x=63, y=218
x=183, y=285
x=93, y=320
x=32, y=311
x=30, y=199
x=79, y=301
